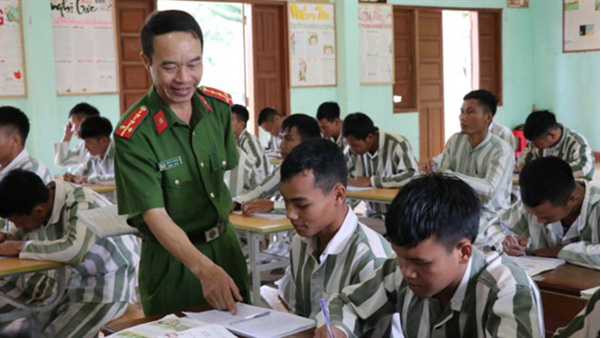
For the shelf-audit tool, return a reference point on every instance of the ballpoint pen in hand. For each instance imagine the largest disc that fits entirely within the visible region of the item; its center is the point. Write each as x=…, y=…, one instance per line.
x=258, y=315
x=508, y=231
x=327, y=317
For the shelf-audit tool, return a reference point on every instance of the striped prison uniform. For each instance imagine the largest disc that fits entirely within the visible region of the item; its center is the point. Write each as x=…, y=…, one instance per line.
x=503, y=133
x=243, y=177
x=65, y=157
x=99, y=171
x=251, y=145
x=585, y=324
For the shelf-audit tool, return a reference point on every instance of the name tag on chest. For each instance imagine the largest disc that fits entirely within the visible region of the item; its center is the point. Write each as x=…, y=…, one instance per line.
x=170, y=163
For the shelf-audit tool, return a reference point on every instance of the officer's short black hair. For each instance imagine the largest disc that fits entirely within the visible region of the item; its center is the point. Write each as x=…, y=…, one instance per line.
x=267, y=114
x=20, y=192
x=488, y=101
x=437, y=205
x=163, y=22
x=358, y=125
x=538, y=123
x=95, y=127
x=329, y=111
x=14, y=120
x=84, y=109
x=321, y=156
x=546, y=179
x=306, y=126
x=241, y=113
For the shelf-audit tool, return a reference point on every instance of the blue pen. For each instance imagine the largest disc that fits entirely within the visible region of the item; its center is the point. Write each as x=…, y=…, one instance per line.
x=258, y=315
x=327, y=317
x=508, y=231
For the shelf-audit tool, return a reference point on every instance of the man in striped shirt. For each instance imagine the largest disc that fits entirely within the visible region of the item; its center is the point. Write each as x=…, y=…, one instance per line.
x=271, y=121
x=556, y=217
x=441, y=285
x=585, y=324
x=243, y=177
x=63, y=156
x=102, y=270
x=328, y=117
x=331, y=249
x=478, y=157
x=14, y=129
x=248, y=142
x=376, y=158
x=548, y=138
x=502, y=132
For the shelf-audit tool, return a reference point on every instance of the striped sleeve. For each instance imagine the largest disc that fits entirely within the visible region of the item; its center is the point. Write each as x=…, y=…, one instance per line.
x=579, y=156
x=85, y=168
x=64, y=157
x=515, y=219
x=256, y=154
x=267, y=189
x=243, y=177
x=585, y=324
x=402, y=166
x=106, y=179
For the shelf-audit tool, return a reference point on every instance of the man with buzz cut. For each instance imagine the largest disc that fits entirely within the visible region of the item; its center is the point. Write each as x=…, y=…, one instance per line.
x=270, y=120
x=548, y=138
x=248, y=142
x=328, y=117
x=439, y=283
x=557, y=216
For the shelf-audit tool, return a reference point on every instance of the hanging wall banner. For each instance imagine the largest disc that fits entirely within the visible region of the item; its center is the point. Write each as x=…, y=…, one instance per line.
x=376, y=54
x=12, y=67
x=312, y=44
x=84, y=46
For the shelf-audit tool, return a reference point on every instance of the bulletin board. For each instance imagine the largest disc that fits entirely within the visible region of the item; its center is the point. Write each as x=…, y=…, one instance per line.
x=580, y=25
x=85, y=60
x=312, y=44
x=376, y=45
x=12, y=66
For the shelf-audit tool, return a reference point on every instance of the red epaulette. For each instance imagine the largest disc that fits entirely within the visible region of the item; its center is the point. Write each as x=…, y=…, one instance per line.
x=126, y=129
x=218, y=94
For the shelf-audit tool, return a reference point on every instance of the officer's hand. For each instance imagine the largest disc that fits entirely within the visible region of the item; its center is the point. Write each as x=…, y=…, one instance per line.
x=361, y=181
x=219, y=289
x=257, y=205
x=322, y=332
x=11, y=248
x=513, y=249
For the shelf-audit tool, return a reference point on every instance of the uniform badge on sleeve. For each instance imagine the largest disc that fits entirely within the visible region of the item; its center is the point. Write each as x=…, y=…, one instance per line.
x=127, y=128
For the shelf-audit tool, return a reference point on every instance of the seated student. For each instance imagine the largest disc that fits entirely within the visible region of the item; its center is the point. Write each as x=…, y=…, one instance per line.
x=376, y=158
x=502, y=132
x=243, y=177
x=548, y=138
x=478, y=157
x=556, y=217
x=328, y=117
x=63, y=156
x=248, y=142
x=331, y=249
x=296, y=128
x=14, y=128
x=441, y=285
x=585, y=324
x=99, y=164
x=271, y=121
x=102, y=271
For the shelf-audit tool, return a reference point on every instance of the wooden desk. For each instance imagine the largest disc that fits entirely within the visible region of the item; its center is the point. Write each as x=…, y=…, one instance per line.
x=101, y=189
x=275, y=160
x=255, y=227
x=560, y=293
x=378, y=195
x=11, y=266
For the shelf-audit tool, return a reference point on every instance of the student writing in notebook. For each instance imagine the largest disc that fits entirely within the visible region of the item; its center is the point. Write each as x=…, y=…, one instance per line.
x=441, y=285
x=556, y=217
x=63, y=155
x=331, y=249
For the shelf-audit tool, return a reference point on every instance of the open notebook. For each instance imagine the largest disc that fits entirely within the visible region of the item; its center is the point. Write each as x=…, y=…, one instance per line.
x=535, y=265
x=172, y=326
x=269, y=323
x=105, y=221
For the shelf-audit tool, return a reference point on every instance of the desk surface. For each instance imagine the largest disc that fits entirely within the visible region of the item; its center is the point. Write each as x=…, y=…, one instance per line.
x=568, y=279
x=14, y=265
x=376, y=194
x=96, y=187
x=261, y=225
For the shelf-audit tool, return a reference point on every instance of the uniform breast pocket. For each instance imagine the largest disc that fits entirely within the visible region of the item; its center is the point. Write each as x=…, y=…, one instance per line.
x=218, y=159
x=178, y=188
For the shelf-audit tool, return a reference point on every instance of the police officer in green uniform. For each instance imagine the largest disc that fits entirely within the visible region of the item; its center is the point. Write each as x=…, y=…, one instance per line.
x=172, y=148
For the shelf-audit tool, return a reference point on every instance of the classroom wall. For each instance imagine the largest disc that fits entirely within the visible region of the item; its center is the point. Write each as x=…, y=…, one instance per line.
x=535, y=71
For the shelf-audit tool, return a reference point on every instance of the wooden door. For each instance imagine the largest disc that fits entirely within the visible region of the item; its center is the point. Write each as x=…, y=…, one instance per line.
x=134, y=80
x=270, y=57
x=404, y=60
x=430, y=83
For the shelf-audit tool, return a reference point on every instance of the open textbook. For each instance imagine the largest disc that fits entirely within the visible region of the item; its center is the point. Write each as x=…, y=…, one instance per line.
x=105, y=221
x=173, y=326
x=535, y=265
x=254, y=321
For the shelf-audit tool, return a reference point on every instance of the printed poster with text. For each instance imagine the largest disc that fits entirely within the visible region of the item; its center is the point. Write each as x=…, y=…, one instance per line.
x=376, y=54
x=580, y=25
x=84, y=46
x=312, y=42
x=12, y=70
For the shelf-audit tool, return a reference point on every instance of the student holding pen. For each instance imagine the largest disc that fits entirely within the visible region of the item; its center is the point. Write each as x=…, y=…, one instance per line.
x=557, y=216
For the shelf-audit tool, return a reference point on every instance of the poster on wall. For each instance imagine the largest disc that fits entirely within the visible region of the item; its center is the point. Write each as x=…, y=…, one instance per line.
x=85, y=61
x=312, y=44
x=376, y=54
x=580, y=25
x=12, y=67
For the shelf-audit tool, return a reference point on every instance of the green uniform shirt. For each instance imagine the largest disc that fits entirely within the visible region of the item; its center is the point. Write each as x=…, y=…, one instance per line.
x=170, y=164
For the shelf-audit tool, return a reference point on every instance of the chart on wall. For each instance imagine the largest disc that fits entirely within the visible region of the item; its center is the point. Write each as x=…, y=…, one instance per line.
x=312, y=43
x=580, y=25
x=84, y=46
x=376, y=55
x=12, y=67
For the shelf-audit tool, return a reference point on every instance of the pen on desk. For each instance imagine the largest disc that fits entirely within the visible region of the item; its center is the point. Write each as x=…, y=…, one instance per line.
x=508, y=231
x=258, y=315
x=327, y=317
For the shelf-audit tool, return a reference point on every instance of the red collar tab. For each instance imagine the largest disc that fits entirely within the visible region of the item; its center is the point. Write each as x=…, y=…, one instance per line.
x=160, y=122
x=127, y=128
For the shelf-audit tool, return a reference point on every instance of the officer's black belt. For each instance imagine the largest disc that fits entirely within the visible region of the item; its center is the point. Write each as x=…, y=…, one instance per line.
x=200, y=236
